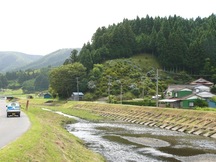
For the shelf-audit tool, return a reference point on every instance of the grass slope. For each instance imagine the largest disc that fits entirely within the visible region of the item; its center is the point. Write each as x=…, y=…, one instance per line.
x=146, y=61
x=47, y=140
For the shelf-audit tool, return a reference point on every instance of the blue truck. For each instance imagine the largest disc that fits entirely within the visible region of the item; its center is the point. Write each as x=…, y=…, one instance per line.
x=13, y=109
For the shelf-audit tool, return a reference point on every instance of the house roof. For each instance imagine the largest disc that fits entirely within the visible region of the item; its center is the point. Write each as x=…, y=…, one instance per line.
x=188, y=97
x=78, y=93
x=192, y=98
x=205, y=94
x=202, y=88
x=168, y=100
x=202, y=81
x=47, y=94
x=178, y=87
x=185, y=89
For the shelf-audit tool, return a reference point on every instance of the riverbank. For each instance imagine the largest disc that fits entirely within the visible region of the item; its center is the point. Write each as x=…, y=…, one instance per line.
x=189, y=121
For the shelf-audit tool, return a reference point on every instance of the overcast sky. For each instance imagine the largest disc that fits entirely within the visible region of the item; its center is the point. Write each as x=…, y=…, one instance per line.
x=43, y=26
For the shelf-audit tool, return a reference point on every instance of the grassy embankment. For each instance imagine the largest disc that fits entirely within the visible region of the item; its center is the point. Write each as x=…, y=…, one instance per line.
x=47, y=140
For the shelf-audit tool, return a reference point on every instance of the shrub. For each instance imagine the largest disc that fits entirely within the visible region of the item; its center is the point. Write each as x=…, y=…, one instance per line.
x=200, y=103
x=88, y=97
x=128, y=96
x=140, y=103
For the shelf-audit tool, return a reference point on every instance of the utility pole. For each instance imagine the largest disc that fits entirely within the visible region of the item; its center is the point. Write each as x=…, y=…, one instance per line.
x=121, y=94
x=77, y=78
x=109, y=84
x=157, y=89
x=143, y=81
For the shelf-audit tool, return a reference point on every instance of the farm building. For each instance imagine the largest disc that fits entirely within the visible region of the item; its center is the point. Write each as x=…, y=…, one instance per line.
x=77, y=96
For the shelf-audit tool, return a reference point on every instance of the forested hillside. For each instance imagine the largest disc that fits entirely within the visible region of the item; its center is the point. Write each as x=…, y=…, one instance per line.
x=34, y=75
x=134, y=77
x=13, y=60
x=179, y=44
x=53, y=59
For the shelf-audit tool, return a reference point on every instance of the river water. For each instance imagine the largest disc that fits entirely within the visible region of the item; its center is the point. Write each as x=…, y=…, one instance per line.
x=124, y=142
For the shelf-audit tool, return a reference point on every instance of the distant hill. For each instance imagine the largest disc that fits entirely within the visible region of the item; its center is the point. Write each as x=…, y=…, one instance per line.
x=53, y=59
x=10, y=61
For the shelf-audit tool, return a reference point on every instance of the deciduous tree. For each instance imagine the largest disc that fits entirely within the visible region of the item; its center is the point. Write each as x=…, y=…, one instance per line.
x=63, y=79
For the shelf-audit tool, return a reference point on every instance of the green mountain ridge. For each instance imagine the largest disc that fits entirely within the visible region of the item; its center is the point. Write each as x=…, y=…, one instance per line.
x=13, y=61
x=55, y=58
x=10, y=60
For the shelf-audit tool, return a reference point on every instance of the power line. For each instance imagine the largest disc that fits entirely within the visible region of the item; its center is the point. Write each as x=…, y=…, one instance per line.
x=174, y=73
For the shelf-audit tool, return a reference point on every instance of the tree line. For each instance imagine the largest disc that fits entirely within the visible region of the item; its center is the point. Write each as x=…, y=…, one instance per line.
x=29, y=80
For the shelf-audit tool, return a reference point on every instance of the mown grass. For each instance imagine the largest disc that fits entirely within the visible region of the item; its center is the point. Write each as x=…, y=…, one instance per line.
x=68, y=108
x=47, y=140
x=146, y=61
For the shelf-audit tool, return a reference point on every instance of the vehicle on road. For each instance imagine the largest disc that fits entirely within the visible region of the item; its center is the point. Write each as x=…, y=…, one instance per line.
x=13, y=109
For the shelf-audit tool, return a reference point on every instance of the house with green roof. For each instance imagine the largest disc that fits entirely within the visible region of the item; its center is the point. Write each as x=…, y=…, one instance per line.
x=184, y=96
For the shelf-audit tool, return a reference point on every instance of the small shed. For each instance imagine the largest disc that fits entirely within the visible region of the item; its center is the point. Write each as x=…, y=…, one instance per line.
x=47, y=95
x=174, y=103
x=77, y=96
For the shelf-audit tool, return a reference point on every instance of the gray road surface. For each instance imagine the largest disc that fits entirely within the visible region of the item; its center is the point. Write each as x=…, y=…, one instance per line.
x=13, y=127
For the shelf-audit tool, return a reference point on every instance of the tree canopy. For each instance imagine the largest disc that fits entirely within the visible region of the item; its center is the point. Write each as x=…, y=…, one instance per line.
x=63, y=79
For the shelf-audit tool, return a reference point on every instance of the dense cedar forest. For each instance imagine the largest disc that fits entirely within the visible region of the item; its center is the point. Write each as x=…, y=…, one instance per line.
x=179, y=44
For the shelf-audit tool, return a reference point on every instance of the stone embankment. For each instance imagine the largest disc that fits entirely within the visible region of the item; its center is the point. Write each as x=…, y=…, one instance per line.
x=188, y=121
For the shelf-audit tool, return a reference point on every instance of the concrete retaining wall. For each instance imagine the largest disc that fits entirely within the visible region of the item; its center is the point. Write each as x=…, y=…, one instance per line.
x=188, y=121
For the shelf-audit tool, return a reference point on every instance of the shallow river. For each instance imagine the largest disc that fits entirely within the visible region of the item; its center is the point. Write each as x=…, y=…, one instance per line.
x=124, y=142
